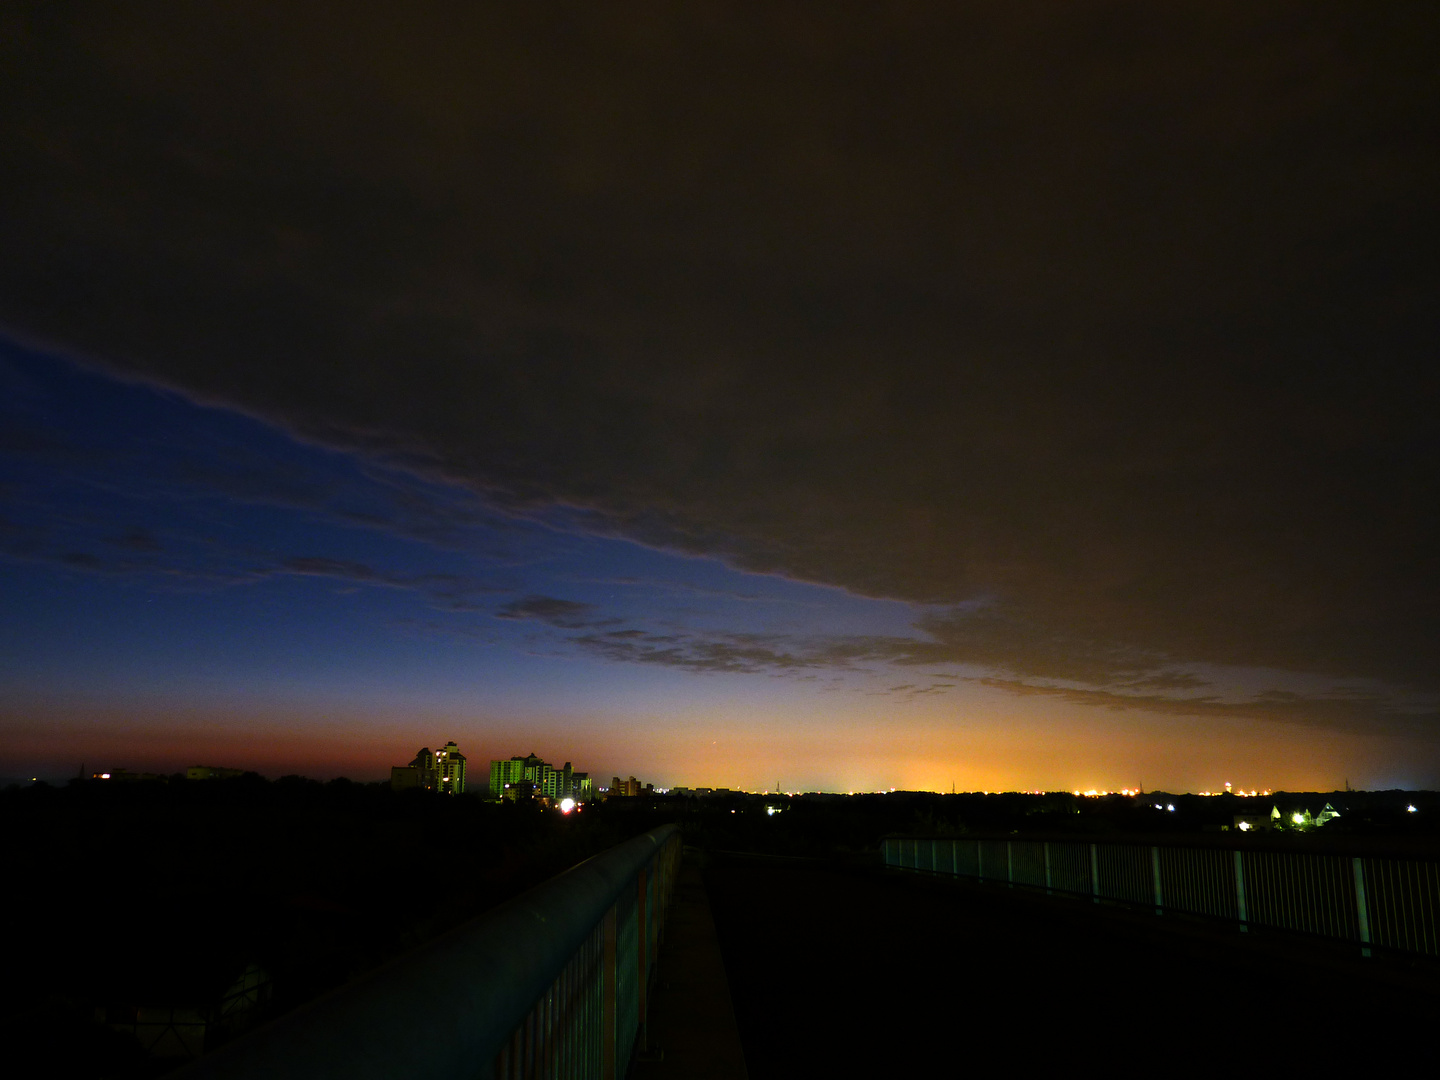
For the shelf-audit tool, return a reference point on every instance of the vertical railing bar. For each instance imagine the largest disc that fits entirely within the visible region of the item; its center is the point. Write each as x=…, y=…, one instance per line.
x=527, y=1063
x=642, y=959
x=1401, y=896
x=1427, y=897
x=1240, y=893
x=551, y=1004
x=1411, y=936
x=1362, y=912
x=608, y=1011
x=1386, y=916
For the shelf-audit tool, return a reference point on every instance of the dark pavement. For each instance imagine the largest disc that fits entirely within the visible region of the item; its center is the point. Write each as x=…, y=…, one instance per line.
x=840, y=972
x=692, y=1033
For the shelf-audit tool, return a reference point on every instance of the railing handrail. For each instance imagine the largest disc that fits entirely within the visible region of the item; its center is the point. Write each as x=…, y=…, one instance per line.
x=1373, y=901
x=447, y=1008
x=1317, y=842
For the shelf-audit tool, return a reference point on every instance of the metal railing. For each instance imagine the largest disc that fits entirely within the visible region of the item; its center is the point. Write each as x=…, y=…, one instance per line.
x=1385, y=903
x=552, y=985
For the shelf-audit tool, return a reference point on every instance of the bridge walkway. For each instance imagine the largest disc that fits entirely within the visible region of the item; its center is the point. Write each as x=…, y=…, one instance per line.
x=838, y=971
x=692, y=1033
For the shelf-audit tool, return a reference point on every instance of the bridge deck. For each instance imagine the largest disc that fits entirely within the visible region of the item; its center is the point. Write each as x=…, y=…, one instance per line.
x=692, y=1032
x=847, y=973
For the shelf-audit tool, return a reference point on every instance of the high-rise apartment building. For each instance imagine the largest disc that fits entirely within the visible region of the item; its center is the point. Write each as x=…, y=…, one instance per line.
x=504, y=774
x=528, y=775
x=450, y=770
x=434, y=770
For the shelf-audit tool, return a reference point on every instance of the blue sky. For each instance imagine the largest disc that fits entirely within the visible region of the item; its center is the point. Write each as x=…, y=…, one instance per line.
x=184, y=581
x=191, y=558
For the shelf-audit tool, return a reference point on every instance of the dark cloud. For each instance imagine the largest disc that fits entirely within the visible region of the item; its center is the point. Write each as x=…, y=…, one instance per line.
x=1166, y=693
x=319, y=566
x=137, y=539
x=735, y=653
x=1339, y=708
x=1115, y=323
x=566, y=614
x=211, y=566
x=453, y=592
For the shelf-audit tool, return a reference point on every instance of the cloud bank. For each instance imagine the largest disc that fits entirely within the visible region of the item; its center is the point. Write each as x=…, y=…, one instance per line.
x=1117, y=321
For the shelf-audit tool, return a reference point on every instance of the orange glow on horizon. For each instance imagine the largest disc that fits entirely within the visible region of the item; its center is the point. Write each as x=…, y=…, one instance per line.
x=822, y=746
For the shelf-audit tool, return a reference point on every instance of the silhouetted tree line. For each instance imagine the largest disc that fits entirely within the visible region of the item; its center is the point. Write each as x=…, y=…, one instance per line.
x=156, y=893
x=160, y=893
x=854, y=825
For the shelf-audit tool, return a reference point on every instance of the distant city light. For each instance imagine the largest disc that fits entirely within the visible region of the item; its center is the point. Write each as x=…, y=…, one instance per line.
x=1244, y=826
x=566, y=805
x=1297, y=819
x=1170, y=807
x=1410, y=809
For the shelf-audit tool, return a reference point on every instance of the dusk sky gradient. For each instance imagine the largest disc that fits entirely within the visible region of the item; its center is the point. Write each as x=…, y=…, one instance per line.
x=1002, y=395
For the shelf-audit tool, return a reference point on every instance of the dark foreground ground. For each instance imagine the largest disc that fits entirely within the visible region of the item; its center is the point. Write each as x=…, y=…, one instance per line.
x=846, y=971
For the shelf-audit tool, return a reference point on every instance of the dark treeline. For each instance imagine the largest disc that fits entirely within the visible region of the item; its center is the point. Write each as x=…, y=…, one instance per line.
x=133, y=894
x=853, y=825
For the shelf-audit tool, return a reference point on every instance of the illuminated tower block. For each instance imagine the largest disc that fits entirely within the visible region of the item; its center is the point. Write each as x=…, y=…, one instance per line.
x=450, y=770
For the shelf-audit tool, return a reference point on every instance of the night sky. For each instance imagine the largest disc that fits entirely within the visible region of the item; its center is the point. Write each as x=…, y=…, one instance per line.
x=849, y=396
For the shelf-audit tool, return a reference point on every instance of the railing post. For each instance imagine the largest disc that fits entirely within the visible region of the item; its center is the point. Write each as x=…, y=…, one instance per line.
x=1362, y=908
x=1094, y=874
x=1009, y=865
x=1047, y=868
x=1240, y=894
x=980, y=862
x=607, y=1000
x=642, y=944
x=954, y=858
x=1155, y=870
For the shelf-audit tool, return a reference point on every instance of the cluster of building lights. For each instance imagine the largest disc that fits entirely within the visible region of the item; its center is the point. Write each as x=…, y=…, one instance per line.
x=1093, y=793
x=1242, y=794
